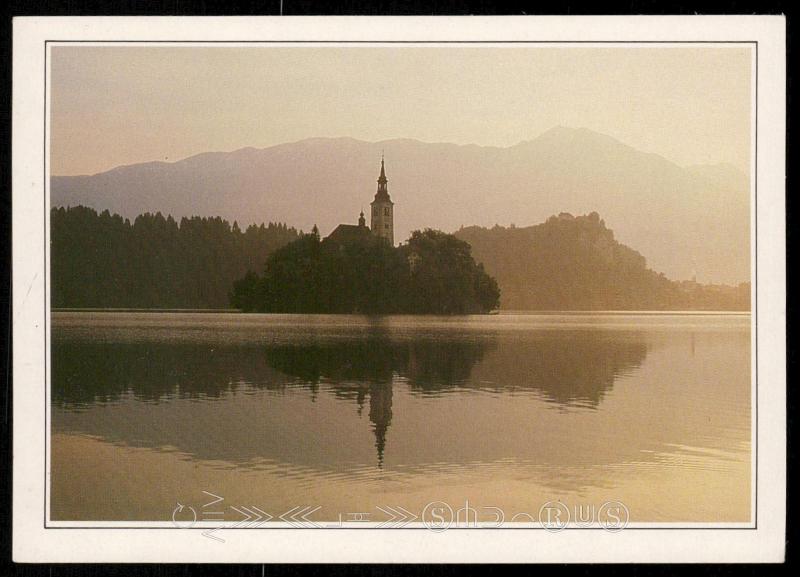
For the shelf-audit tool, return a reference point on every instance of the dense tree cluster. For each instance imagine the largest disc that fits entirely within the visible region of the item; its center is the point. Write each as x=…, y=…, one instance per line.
x=433, y=273
x=100, y=260
x=575, y=263
x=105, y=261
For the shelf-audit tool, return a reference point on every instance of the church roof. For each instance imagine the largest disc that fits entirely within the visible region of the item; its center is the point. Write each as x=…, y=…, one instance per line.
x=345, y=233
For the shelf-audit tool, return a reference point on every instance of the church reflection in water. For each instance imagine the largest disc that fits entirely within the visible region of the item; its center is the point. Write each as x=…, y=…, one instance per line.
x=570, y=370
x=565, y=368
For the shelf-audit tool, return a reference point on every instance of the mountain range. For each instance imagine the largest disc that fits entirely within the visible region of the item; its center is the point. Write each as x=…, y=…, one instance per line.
x=687, y=221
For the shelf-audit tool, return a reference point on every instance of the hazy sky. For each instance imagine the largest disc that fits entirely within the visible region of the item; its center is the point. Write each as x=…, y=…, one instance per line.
x=122, y=105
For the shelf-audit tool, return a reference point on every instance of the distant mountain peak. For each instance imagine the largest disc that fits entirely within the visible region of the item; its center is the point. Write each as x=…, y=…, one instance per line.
x=577, y=135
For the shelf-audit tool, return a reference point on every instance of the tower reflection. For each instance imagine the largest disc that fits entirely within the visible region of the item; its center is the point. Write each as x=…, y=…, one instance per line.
x=567, y=369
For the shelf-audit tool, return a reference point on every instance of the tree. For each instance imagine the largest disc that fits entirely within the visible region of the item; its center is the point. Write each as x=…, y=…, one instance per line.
x=245, y=292
x=444, y=278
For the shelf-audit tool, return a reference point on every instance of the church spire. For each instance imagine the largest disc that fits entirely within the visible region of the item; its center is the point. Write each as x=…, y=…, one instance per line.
x=382, y=178
x=383, y=190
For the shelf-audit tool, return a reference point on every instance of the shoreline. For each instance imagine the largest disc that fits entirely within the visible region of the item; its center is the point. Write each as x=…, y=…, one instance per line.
x=498, y=313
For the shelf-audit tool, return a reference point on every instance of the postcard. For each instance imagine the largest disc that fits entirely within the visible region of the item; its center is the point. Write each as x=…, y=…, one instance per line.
x=399, y=289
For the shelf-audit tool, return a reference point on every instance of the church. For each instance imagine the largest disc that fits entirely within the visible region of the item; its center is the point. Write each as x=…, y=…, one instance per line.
x=381, y=220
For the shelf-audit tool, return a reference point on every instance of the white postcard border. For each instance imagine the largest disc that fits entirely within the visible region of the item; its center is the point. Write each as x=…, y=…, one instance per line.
x=32, y=541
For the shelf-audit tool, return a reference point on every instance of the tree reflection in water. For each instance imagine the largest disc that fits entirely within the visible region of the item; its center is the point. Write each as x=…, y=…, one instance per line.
x=565, y=368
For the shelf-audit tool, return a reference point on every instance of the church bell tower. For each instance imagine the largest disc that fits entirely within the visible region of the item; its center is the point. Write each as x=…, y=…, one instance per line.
x=382, y=222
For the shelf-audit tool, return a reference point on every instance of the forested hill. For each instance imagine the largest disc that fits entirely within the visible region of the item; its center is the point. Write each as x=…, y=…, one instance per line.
x=575, y=263
x=100, y=260
x=105, y=261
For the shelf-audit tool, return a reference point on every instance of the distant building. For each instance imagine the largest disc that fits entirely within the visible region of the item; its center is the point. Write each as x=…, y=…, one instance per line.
x=381, y=222
x=348, y=233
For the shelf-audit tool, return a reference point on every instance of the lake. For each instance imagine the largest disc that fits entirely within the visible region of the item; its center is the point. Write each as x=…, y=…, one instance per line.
x=346, y=414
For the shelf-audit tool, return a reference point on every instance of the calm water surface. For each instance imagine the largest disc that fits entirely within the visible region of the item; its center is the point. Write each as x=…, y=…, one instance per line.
x=350, y=413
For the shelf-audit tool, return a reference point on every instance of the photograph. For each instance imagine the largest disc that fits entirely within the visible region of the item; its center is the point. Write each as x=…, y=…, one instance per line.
x=359, y=280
